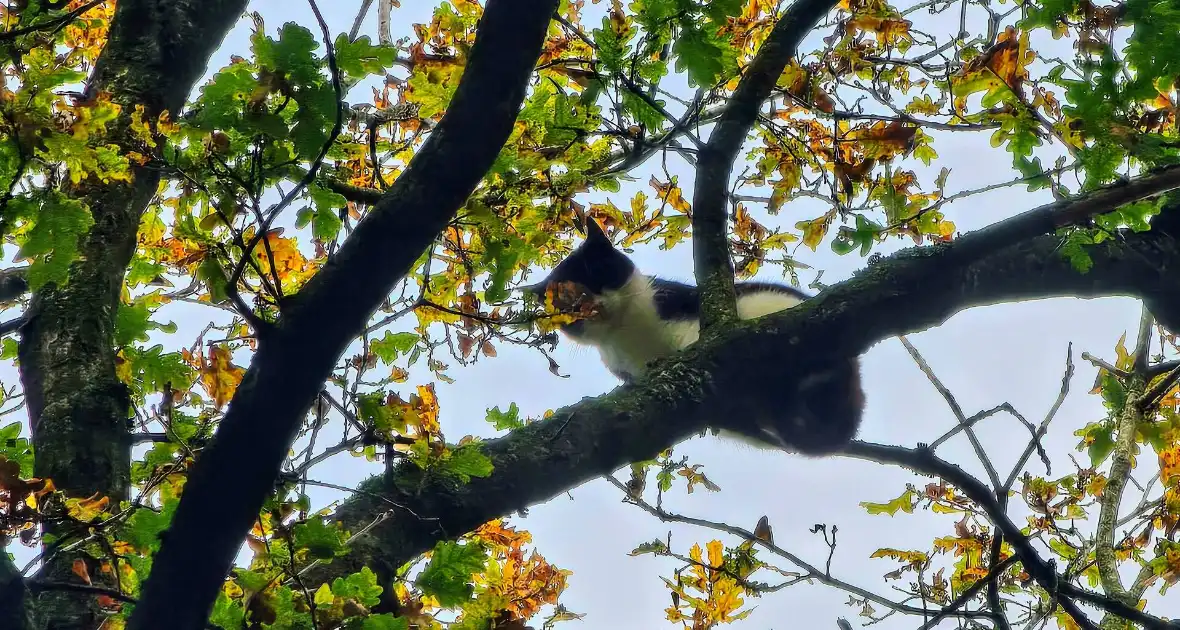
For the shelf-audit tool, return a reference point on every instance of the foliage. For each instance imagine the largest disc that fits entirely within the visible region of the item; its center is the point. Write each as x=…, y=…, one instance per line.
x=231, y=235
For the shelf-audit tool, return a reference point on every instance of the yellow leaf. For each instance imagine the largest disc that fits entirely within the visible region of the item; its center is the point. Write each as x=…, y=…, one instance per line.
x=814, y=230
x=670, y=194
x=915, y=558
x=905, y=503
x=716, y=553
x=289, y=262
x=88, y=509
x=323, y=595
x=887, y=30
x=1123, y=360
x=231, y=589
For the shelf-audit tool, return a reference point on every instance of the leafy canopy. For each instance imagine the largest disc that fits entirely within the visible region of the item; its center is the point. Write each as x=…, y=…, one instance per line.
x=851, y=126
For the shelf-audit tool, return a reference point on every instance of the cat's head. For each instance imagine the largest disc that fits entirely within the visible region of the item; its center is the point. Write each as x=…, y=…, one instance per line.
x=595, y=268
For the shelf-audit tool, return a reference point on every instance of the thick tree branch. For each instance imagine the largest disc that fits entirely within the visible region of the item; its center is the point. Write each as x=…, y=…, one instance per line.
x=909, y=291
x=13, y=283
x=710, y=243
x=78, y=407
x=236, y=473
x=11, y=325
x=155, y=53
x=1159, y=369
x=13, y=596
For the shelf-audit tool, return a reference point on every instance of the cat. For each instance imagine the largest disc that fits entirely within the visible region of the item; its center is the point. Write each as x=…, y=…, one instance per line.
x=634, y=319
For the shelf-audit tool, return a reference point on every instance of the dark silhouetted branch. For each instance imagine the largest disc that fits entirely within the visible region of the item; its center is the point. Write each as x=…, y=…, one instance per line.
x=956, y=409
x=710, y=243
x=237, y=472
x=13, y=283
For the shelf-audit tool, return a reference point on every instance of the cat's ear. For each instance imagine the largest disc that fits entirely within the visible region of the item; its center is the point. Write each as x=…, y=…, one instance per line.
x=594, y=233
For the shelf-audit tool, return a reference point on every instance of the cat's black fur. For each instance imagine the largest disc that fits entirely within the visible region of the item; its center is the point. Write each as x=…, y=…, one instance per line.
x=642, y=318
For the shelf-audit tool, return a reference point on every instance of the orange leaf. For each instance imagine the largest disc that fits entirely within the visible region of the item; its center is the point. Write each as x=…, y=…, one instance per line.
x=1008, y=59
x=106, y=601
x=670, y=194
x=80, y=570
x=219, y=376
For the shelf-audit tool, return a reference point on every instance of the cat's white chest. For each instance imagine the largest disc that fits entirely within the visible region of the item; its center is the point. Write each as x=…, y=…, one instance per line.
x=631, y=334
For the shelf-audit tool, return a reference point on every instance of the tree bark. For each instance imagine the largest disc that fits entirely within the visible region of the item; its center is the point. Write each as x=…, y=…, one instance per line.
x=78, y=408
x=13, y=283
x=13, y=597
x=710, y=219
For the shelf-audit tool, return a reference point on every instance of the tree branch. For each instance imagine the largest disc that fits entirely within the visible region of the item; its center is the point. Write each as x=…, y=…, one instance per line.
x=1159, y=369
x=49, y=24
x=11, y=325
x=13, y=283
x=957, y=410
x=908, y=291
x=1155, y=392
x=236, y=473
x=1143, y=342
x=1126, y=432
x=13, y=597
x=77, y=405
x=710, y=245
x=811, y=572
x=923, y=461
x=994, y=573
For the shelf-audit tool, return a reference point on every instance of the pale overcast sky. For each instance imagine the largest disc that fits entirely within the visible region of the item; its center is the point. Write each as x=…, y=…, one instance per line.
x=986, y=356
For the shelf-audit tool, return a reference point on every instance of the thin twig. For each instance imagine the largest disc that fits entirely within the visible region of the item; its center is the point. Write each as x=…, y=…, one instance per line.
x=955, y=409
x=1100, y=363
x=993, y=575
x=925, y=461
x=313, y=170
x=812, y=572
x=340, y=447
x=49, y=585
x=972, y=421
x=371, y=495
x=1035, y=443
x=359, y=19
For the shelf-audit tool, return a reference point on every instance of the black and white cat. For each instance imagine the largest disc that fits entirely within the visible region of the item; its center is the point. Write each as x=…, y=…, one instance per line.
x=640, y=318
